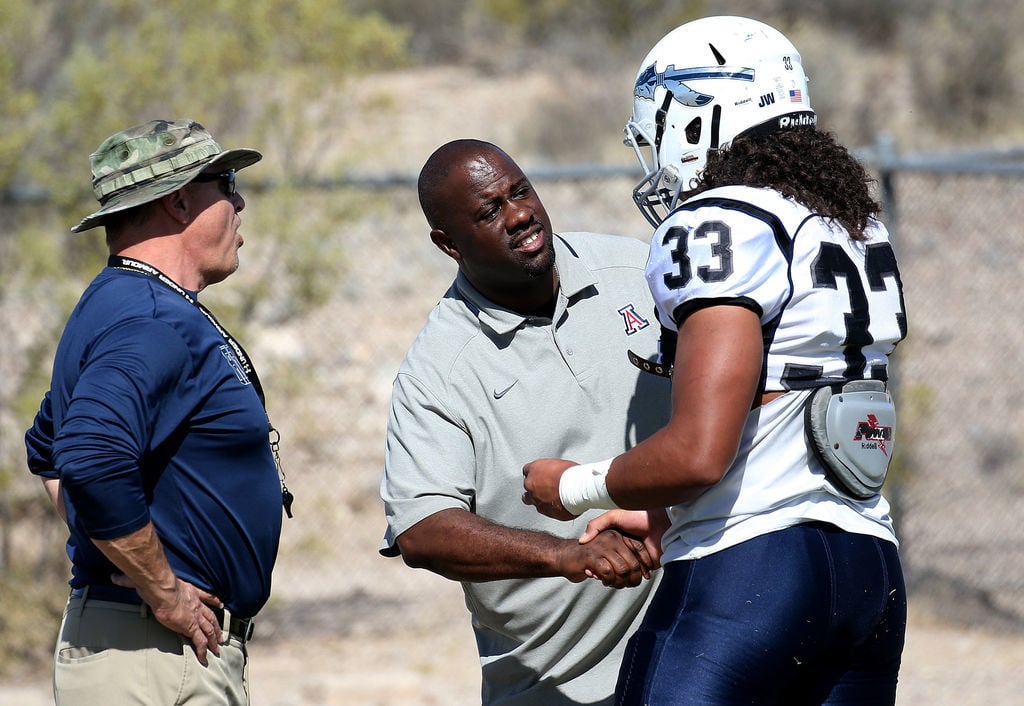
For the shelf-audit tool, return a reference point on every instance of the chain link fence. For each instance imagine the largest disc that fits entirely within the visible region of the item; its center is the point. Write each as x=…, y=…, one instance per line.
x=958, y=487
x=958, y=229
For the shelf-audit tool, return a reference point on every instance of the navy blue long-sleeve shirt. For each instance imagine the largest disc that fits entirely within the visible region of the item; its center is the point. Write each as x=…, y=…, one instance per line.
x=150, y=416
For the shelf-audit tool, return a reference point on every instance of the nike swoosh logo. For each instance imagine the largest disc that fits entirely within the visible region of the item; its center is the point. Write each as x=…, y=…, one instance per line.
x=498, y=394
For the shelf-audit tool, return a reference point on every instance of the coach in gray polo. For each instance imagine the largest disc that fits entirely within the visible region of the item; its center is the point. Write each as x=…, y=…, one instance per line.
x=525, y=355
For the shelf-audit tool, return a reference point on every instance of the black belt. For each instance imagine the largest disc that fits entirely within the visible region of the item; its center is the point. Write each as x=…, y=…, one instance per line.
x=241, y=628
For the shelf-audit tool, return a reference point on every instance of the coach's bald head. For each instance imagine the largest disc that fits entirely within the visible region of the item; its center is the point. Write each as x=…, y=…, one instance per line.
x=434, y=174
x=485, y=215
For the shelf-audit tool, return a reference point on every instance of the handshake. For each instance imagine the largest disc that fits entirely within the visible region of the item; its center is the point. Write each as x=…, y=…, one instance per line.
x=620, y=548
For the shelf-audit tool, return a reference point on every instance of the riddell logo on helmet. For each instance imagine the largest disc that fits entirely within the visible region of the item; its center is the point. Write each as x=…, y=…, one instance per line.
x=797, y=120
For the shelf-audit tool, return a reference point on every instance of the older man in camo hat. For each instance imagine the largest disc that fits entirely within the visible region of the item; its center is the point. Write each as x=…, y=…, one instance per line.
x=153, y=441
x=145, y=162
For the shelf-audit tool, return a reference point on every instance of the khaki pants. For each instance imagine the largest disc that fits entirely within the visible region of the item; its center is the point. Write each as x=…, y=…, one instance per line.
x=115, y=653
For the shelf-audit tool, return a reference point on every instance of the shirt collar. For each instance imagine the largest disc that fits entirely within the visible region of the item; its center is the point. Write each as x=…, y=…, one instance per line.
x=573, y=277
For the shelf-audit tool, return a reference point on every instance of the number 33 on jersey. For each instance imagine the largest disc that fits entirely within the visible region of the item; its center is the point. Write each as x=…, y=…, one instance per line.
x=831, y=308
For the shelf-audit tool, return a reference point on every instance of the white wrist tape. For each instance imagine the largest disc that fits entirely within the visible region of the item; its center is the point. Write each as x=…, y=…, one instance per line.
x=584, y=487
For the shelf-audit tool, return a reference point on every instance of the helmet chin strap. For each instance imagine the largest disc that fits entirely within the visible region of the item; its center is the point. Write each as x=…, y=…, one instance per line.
x=716, y=120
x=660, y=118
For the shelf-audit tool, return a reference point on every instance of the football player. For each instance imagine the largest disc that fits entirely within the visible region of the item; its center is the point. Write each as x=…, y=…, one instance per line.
x=782, y=582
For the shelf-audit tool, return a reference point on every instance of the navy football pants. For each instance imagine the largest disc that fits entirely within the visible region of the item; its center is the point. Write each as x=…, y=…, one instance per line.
x=805, y=615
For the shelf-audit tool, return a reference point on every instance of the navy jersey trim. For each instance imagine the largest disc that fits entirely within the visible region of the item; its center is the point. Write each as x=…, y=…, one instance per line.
x=687, y=309
x=782, y=240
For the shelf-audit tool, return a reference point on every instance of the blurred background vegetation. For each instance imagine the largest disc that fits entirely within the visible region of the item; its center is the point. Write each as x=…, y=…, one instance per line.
x=290, y=77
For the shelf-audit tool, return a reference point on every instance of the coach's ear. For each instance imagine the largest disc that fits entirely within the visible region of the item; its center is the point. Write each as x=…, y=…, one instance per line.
x=445, y=244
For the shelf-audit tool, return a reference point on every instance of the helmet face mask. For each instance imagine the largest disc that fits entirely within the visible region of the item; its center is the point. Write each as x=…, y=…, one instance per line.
x=702, y=85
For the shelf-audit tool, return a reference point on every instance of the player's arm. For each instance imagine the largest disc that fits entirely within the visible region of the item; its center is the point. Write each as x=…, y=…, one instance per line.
x=717, y=374
x=462, y=546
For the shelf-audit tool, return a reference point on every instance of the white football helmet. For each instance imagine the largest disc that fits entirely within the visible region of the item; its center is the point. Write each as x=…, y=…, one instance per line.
x=705, y=83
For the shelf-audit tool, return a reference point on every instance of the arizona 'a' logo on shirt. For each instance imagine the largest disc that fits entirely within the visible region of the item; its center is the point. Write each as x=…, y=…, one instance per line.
x=634, y=322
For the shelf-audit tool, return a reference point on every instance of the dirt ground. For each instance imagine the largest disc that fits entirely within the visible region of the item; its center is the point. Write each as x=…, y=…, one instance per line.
x=434, y=662
x=943, y=666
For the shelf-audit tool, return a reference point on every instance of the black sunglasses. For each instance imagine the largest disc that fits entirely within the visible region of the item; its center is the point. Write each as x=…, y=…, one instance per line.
x=226, y=179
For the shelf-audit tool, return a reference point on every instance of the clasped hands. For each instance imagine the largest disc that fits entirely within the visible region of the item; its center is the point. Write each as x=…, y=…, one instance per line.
x=626, y=543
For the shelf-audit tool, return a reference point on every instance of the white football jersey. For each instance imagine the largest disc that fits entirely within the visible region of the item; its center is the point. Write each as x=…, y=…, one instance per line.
x=831, y=308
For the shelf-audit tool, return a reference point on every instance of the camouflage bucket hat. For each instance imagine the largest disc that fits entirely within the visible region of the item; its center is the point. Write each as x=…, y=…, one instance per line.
x=145, y=162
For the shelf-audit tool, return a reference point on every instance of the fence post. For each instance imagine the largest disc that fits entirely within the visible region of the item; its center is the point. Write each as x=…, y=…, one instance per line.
x=885, y=161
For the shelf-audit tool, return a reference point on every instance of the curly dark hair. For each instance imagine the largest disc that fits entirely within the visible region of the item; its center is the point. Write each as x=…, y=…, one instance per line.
x=805, y=164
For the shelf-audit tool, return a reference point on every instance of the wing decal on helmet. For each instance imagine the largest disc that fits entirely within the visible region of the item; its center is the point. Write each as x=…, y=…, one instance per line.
x=673, y=80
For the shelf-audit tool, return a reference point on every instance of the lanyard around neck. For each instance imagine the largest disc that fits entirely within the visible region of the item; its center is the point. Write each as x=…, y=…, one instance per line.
x=132, y=265
x=129, y=264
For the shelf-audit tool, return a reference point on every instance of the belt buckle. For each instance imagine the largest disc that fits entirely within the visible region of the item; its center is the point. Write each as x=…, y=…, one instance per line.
x=225, y=625
x=242, y=629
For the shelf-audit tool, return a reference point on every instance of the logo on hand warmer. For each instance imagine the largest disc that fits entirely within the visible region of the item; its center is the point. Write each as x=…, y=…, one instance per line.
x=873, y=435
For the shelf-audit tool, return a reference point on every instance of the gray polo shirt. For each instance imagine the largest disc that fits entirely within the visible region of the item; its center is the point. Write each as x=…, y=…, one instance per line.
x=482, y=391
